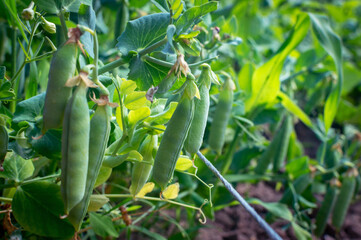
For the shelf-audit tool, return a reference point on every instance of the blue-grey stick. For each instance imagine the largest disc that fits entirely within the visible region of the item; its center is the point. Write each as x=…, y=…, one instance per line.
x=273, y=235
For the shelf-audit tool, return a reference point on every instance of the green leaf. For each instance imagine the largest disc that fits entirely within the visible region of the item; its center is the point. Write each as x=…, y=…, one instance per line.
x=278, y=209
x=49, y=6
x=87, y=18
x=294, y=109
x=143, y=32
x=135, y=100
x=163, y=117
x=298, y=167
x=332, y=44
x=300, y=233
x=30, y=110
x=146, y=73
x=266, y=79
x=245, y=177
x=2, y=72
x=192, y=15
x=16, y=168
x=102, y=225
x=6, y=92
x=37, y=207
x=138, y=115
x=145, y=231
x=55, y=6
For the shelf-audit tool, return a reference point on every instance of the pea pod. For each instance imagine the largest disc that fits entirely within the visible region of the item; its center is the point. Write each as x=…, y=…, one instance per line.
x=141, y=170
x=172, y=141
x=75, y=148
x=4, y=140
x=99, y=135
x=201, y=106
x=343, y=201
x=221, y=116
x=325, y=210
x=57, y=95
x=276, y=152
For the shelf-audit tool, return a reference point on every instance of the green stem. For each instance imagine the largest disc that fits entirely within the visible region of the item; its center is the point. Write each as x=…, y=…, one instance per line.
x=104, y=90
x=323, y=153
x=40, y=179
x=7, y=200
x=229, y=153
x=152, y=47
x=110, y=66
x=203, y=61
x=63, y=24
x=158, y=61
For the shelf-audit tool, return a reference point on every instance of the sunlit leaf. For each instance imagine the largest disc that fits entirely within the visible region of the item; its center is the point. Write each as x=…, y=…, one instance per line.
x=171, y=192
x=147, y=188
x=138, y=115
x=135, y=100
x=183, y=164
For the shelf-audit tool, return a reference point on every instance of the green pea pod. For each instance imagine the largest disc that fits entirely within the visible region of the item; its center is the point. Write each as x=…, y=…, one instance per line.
x=57, y=95
x=172, y=141
x=325, y=210
x=300, y=185
x=75, y=148
x=343, y=201
x=141, y=170
x=276, y=152
x=4, y=140
x=99, y=135
x=221, y=117
x=196, y=132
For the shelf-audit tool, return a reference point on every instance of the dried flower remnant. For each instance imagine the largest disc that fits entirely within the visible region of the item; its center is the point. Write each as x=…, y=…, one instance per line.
x=179, y=67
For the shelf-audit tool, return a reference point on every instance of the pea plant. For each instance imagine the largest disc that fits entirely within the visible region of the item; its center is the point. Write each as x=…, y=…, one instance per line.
x=115, y=114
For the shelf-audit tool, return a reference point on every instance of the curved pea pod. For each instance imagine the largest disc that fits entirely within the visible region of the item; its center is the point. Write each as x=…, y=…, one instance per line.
x=172, y=142
x=141, y=170
x=75, y=148
x=196, y=132
x=4, y=140
x=99, y=135
x=325, y=210
x=343, y=201
x=57, y=95
x=276, y=152
x=300, y=185
x=221, y=117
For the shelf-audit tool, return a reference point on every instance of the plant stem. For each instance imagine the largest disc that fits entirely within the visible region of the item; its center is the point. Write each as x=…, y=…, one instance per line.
x=4, y=199
x=158, y=61
x=63, y=24
x=231, y=148
x=110, y=66
x=152, y=47
x=40, y=179
x=95, y=79
x=273, y=235
x=203, y=61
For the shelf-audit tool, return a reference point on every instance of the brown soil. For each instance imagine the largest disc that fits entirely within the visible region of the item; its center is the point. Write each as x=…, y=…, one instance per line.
x=235, y=223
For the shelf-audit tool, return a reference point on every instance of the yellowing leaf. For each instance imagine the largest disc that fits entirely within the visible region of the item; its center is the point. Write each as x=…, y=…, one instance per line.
x=183, y=164
x=127, y=87
x=171, y=192
x=148, y=187
x=118, y=117
x=137, y=115
x=156, y=131
x=104, y=174
x=96, y=202
x=135, y=100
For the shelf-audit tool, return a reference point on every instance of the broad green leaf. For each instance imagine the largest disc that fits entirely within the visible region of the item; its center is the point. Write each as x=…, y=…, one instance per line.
x=192, y=15
x=87, y=18
x=171, y=192
x=16, y=168
x=138, y=115
x=298, y=167
x=145, y=73
x=102, y=225
x=135, y=100
x=278, y=209
x=294, y=109
x=55, y=6
x=56, y=20
x=147, y=188
x=96, y=202
x=332, y=44
x=143, y=32
x=37, y=207
x=163, y=117
x=30, y=110
x=6, y=92
x=266, y=79
x=183, y=164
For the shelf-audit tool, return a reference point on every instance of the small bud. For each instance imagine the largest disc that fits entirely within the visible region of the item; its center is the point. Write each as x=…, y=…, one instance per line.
x=28, y=13
x=48, y=26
